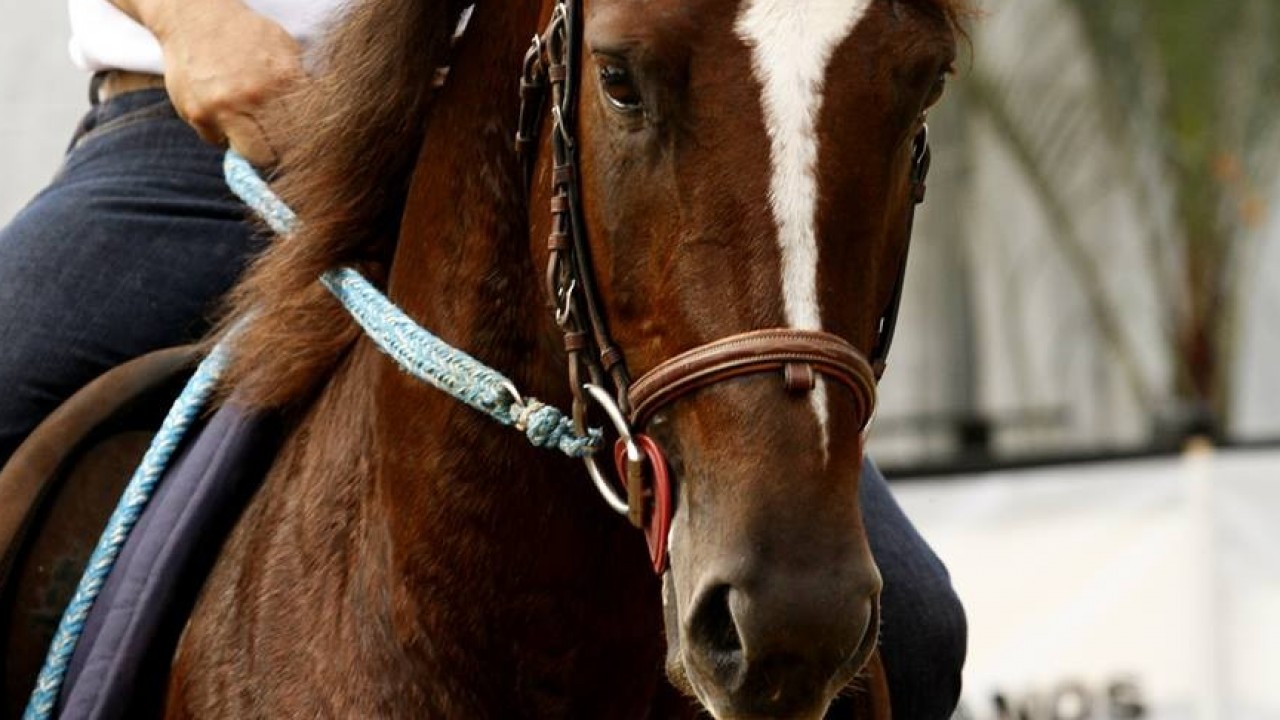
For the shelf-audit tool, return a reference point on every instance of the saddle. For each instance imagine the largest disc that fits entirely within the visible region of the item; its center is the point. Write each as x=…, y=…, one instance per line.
x=58, y=490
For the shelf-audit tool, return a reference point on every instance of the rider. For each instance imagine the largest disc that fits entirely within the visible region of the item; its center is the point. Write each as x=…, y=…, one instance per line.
x=131, y=245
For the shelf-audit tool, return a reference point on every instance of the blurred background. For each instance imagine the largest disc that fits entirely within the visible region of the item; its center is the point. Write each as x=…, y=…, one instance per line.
x=1082, y=410
x=1098, y=262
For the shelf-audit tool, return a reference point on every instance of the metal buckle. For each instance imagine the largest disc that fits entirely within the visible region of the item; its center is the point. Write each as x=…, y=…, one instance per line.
x=564, y=302
x=561, y=130
x=553, y=36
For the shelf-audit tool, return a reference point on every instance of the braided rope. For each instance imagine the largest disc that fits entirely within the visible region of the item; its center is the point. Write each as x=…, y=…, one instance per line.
x=414, y=349
x=431, y=360
x=136, y=496
x=249, y=186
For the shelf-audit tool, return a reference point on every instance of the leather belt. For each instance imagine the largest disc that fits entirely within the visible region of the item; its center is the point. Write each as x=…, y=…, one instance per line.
x=113, y=83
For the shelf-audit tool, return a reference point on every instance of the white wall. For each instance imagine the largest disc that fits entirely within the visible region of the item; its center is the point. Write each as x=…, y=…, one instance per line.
x=42, y=97
x=1150, y=581
x=1257, y=396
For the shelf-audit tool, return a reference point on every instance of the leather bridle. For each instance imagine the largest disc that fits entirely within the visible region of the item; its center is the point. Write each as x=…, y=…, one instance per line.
x=551, y=74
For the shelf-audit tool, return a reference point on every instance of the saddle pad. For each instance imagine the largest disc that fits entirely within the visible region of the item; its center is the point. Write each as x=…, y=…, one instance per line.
x=121, y=663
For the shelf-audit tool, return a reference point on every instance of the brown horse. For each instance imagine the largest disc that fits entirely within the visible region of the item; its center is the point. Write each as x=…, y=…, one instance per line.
x=741, y=165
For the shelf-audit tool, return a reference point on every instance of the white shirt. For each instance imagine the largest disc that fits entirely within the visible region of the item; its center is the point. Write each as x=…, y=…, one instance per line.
x=104, y=38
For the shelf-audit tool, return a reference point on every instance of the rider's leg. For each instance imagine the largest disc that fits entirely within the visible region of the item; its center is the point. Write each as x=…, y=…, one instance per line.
x=125, y=252
x=923, y=633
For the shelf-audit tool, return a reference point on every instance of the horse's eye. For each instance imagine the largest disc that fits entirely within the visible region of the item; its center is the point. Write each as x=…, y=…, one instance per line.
x=619, y=88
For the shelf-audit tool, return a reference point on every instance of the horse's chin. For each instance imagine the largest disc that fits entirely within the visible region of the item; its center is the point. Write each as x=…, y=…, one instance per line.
x=678, y=675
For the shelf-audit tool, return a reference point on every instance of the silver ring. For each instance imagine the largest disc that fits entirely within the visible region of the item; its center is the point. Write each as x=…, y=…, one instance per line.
x=606, y=402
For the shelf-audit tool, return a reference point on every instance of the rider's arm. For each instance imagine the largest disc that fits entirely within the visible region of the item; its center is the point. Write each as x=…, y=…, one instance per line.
x=223, y=64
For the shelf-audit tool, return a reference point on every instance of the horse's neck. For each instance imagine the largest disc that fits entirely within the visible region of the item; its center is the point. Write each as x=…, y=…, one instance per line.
x=462, y=265
x=505, y=548
x=407, y=555
x=462, y=269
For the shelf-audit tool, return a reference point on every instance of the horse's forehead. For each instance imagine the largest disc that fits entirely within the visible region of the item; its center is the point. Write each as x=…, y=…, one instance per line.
x=818, y=15
x=798, y=32
x=789, y=33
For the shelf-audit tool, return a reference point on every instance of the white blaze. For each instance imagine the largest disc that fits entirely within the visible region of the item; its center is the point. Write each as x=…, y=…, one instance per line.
x=791, y=45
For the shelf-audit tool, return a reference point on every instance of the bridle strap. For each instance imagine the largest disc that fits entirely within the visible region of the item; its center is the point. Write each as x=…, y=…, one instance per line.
x=922, y=158
x=551, y=73
x=797, y=356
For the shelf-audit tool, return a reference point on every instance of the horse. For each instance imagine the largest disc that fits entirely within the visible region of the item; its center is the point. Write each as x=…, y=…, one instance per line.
x=730, y=185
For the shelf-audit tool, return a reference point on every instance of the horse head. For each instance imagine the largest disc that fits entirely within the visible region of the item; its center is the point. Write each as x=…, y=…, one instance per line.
x=742, y=173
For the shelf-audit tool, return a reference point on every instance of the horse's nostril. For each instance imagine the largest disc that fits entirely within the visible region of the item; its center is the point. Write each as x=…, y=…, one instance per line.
x=712, y=627
x=714, y=635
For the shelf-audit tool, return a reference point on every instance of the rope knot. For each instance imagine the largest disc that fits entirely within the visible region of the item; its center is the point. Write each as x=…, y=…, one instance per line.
x=547, y=427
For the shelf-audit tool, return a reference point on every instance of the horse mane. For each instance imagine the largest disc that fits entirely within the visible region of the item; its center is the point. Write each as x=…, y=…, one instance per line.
x=351, y=140
x=345, y=171
x=958, y=14
x=955, y=10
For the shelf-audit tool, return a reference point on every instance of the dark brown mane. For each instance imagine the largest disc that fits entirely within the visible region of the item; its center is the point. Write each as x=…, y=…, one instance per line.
x=346, y=169
x=956, y=11
x=351, y=139
x=958, y=14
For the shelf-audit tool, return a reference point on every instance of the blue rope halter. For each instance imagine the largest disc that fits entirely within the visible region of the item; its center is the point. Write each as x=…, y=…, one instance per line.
x=413, y=348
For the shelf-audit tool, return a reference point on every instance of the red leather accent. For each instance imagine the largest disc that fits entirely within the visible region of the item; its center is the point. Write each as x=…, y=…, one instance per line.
x=658, y=511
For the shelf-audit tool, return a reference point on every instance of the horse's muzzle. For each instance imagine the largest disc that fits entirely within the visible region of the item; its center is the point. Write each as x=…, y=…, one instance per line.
x=779, y=649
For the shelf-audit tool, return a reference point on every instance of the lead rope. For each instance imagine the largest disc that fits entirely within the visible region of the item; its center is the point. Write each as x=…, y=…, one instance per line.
x=414, y=349
x=134, y=500
x=417, y=351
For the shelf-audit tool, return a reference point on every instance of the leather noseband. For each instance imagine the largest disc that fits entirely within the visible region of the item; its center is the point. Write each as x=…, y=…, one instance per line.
x=796, y=355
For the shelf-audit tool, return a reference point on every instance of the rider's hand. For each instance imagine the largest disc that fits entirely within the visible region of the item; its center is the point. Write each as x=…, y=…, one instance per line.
x=224, y=64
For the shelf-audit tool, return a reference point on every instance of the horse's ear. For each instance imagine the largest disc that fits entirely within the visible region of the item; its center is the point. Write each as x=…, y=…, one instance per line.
x=345, y=171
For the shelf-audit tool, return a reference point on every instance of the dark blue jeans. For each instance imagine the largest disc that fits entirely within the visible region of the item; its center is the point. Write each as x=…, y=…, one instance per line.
x=923, y=632
x=126, y=251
